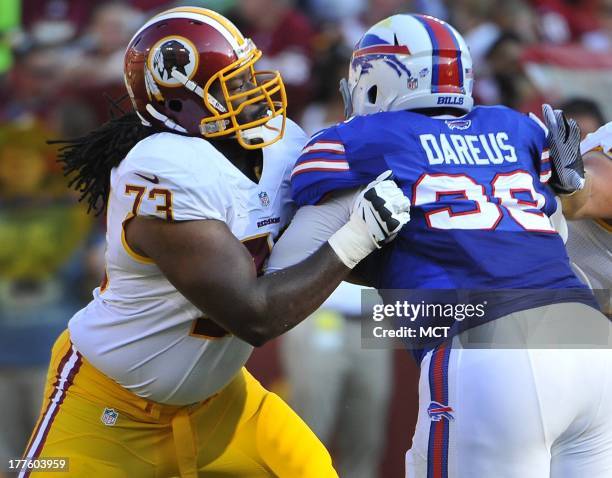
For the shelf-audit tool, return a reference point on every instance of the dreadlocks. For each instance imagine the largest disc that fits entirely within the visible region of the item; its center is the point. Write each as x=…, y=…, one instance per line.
x=91, y=157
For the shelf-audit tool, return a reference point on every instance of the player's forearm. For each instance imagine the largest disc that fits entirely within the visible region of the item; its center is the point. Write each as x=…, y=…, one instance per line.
x=283, y=299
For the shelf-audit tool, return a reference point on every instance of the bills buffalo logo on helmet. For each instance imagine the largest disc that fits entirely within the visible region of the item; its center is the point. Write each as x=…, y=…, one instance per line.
x=174, y=53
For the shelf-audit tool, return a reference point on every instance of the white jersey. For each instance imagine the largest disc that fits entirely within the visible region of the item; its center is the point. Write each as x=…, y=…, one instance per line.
x=589, y=244
x=141, y=331
x=600, y=140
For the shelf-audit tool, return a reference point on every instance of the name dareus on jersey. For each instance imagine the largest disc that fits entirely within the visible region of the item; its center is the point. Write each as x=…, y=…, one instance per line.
x=482, y=149
x=480, y=206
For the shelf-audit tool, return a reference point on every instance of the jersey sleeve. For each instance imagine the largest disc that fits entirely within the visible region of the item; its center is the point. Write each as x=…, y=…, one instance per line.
x=321, y=168
x=600, y=140
x=538, y=133
x=328, y=163
x=174, y=187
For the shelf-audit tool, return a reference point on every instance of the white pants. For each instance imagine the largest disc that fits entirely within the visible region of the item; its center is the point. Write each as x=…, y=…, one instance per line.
x=514, y=413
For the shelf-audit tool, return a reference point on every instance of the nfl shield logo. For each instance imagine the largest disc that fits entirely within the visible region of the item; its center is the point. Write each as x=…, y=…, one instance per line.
x=413, y=83
x=264, y=199
x=109, y=417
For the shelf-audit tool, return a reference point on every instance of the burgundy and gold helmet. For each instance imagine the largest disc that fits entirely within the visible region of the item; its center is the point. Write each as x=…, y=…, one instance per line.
x=179, y=56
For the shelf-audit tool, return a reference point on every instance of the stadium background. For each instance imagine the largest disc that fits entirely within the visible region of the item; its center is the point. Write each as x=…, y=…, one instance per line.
x=59, y=58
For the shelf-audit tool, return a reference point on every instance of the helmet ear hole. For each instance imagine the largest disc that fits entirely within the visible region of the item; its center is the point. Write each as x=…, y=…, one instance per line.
x=372, y=94
x=175, y=105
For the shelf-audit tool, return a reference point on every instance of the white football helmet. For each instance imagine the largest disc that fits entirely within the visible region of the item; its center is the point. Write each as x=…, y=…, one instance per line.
x=408, y=62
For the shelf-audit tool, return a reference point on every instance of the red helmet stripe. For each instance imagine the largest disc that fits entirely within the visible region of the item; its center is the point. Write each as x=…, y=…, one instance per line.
x=382, y=50
x=447, y=70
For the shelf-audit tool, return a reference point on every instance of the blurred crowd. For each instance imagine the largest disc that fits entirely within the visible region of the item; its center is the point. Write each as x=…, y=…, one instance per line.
x=58, y=57
x=60, y=61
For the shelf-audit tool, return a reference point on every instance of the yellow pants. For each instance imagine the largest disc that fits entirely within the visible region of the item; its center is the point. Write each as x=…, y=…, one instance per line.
x=106, y=431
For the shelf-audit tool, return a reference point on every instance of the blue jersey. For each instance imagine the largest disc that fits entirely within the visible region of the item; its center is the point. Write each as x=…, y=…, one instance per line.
x=480, y=205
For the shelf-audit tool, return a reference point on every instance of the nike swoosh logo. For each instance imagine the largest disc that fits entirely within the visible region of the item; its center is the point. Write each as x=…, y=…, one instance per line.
x=154, y=179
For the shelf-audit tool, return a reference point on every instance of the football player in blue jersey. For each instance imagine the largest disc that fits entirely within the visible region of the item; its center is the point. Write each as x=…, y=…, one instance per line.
x=476, y=178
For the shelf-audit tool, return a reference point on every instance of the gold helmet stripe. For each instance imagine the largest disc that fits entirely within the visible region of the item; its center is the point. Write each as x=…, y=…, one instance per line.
x=229, y=26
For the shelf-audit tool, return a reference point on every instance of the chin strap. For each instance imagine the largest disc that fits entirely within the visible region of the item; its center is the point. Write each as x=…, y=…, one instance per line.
x=345, y=91
x=168, y=123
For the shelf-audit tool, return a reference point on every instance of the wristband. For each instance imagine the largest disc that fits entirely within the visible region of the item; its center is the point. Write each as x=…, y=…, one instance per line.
x=352, y=243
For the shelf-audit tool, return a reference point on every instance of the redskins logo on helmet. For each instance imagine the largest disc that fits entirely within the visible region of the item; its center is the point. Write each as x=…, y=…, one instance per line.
x=177, y=70
x=172, y=53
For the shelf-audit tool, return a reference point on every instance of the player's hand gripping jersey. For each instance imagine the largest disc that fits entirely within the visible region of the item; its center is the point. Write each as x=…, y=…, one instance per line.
x=139, y=330
x=480, y=205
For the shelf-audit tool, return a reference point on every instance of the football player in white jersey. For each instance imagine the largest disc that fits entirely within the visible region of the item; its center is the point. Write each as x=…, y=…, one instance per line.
x=582, y=174
x=583, y=183
x=149, y=379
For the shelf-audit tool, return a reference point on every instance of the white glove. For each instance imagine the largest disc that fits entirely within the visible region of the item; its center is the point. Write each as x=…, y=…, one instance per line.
x=565, y=159
x=379, y=212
